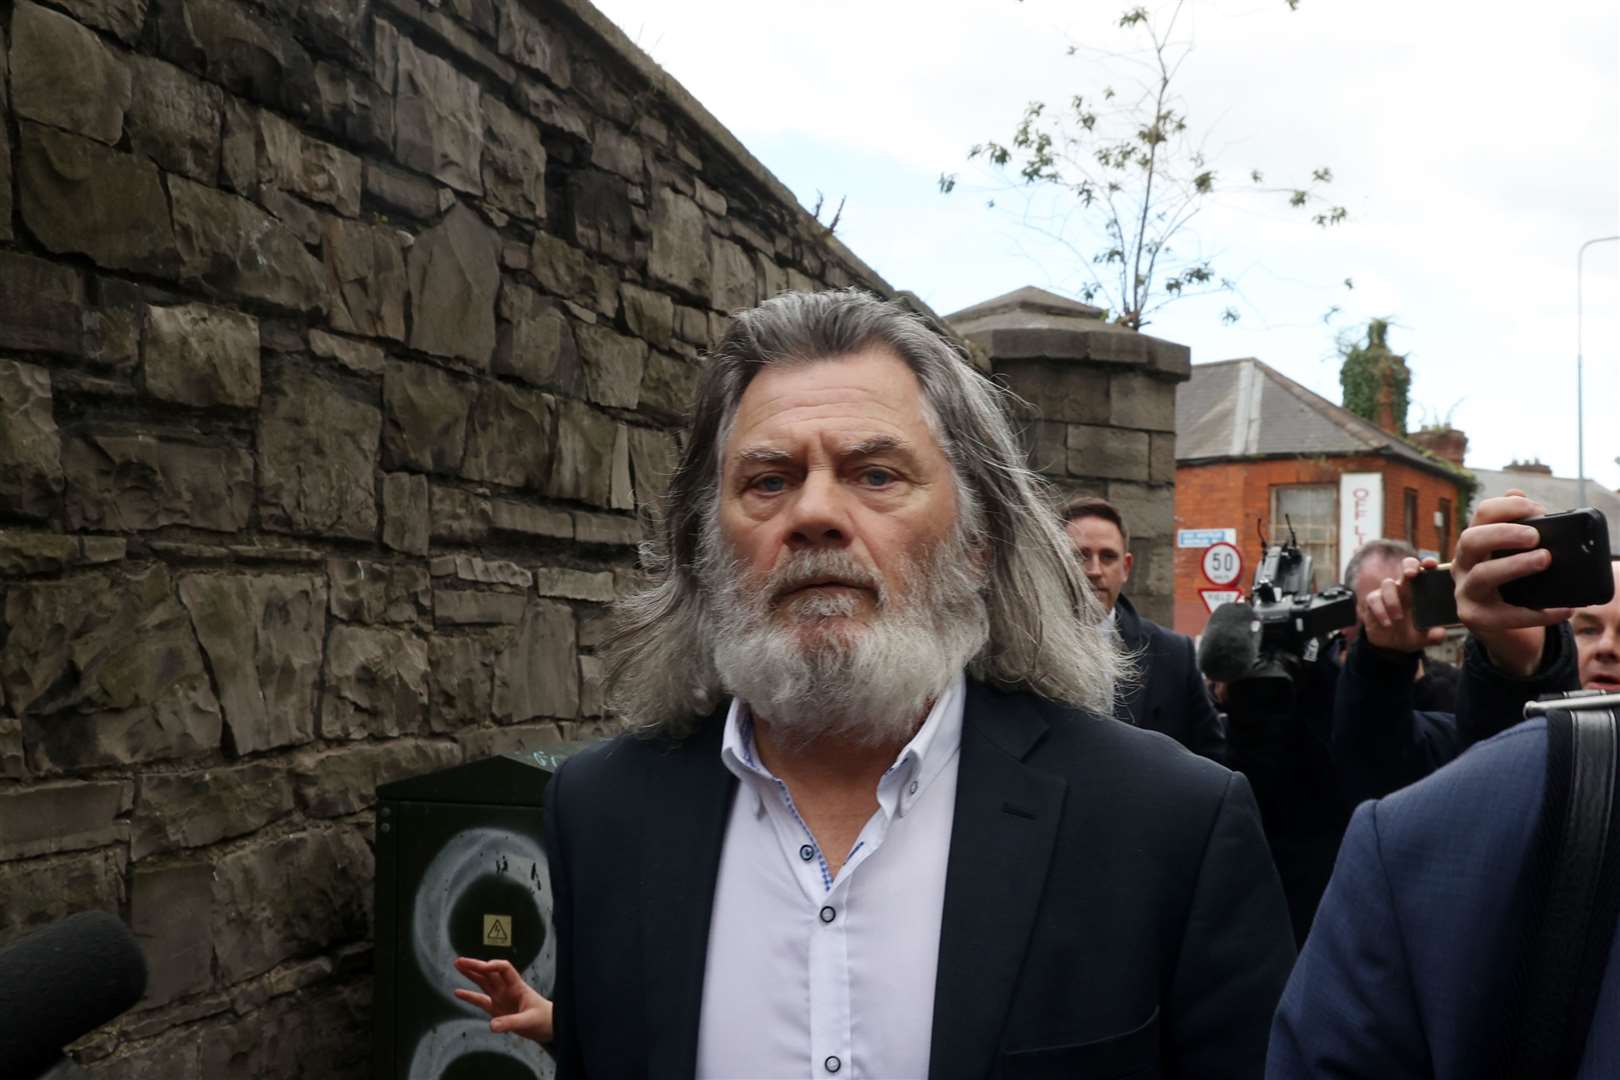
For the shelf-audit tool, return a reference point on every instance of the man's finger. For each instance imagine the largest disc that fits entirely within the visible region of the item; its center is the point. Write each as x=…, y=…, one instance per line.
x=1491, y=575
x=480, y=1000
x=1394, y=610
x=1436, y=635
x=1506, y=508
x=1476, y=545
x=1375, y=608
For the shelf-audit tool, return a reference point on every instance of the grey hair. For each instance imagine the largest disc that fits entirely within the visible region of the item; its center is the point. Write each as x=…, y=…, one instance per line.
x=1046, y=632
x=1391, y=550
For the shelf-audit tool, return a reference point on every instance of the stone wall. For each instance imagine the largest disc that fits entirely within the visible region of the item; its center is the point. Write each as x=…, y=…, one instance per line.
x=340, y=344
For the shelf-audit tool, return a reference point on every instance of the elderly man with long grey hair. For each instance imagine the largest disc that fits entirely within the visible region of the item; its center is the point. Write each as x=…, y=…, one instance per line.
x=870, y=818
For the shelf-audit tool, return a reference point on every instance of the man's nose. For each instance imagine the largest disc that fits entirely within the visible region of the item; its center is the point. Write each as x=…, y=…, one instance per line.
x=820, y=515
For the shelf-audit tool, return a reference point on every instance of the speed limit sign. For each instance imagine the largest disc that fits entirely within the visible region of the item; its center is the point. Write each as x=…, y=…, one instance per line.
x=1223, y=563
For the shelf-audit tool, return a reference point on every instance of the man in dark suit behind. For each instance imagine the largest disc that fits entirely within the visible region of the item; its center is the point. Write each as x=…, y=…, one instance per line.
x=871, y=821
x=1167, y=694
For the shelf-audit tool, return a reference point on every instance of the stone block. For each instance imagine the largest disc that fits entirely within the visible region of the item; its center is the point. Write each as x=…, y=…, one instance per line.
x=112, y=337
x=336, y=783
x=263, y=635
x=1141, y=401
x=470, y=568
x=48, y=819
x=294, y=896
x=378, y=592
x=650, y=315
x=36, y=553
x=1112, y=453
x=514, y=163
x=455, y=272
x=79, y=197
x=574, y=584
x=595, y=625
x=317, y=458
x=528, y=42
x=406, y=519
x=462, y=607
x=121, y=18
x=1149, y=511
x=1060, y=391
x=7, y=201
x=461, y=678
x=200, y=355
x=123, y=483
x=534, y=341
x=105, y=671
x=234, y=248
x=458, y=516
x=31, y=479
x=424, y=418
x=1162, y=457
x=708, y=198
x=202, y=807
x=679, y=254
x=592, y=692
x=510, y=437
x=375, y=683
x=1047, y=444
x=538, y=673
x=525, y=520
x=514, y=739
x=600, y=215
x=401, y=191
x=168, y=905
x=773, y=280
x=353, y=108
x=175, y=119
x=586, y=444
x=1153, y=569
x=41, y=891
x=618, y=152
x=62, y=75
x=13, y=760
x=653, y=457
x=555, y=113
x=613, y=366
x=439, y=125
x=320, y=1024
x=289, y=160
x=359, y=357
x=733, y=284
x=692, y=324
x=621, y=496
x=609, y=529
x=669, y=386
x=571, y=274
x=367, y=272
x=226, y=43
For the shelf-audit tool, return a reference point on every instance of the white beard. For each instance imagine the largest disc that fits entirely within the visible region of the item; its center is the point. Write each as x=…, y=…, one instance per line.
x=810, y=674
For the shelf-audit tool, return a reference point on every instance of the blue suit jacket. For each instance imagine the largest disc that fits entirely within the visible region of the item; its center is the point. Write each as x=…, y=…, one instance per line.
x=1406, y=970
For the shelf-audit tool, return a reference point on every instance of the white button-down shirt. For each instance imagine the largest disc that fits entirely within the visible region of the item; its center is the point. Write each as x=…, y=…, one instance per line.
x=821, y=976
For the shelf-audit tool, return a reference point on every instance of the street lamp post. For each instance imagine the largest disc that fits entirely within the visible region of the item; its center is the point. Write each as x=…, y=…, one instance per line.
x=1580, y=401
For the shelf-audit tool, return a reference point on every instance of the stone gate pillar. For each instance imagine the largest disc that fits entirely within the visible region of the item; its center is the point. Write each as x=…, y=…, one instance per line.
x=1103, y=415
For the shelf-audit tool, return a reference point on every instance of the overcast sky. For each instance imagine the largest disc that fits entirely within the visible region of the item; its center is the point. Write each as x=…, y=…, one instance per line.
x=1475, y=145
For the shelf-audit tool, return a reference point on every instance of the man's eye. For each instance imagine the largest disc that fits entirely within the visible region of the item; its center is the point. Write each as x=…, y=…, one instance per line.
x=770, y=485
x=1586, y=631
x=877, y=478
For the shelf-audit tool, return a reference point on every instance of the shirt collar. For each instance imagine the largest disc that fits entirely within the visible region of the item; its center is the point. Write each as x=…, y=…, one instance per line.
x=933, y=746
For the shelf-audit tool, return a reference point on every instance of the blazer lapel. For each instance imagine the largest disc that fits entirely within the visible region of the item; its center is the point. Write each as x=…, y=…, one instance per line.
x=1001, y=846
x=685, y=828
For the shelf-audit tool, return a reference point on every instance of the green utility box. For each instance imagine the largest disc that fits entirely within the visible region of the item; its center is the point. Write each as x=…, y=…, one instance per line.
x=460, y=872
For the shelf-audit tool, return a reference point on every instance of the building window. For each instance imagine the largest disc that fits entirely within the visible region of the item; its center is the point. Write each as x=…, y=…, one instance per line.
x=1313, y=510
x=1411, y=516
x=1442, y=521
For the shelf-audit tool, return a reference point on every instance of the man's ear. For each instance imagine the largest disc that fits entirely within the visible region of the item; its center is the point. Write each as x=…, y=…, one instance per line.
x=1129, y=559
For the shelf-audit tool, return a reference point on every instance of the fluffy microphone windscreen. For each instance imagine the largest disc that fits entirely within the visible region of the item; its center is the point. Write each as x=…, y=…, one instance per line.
x=1231, y=643
x=63, y=982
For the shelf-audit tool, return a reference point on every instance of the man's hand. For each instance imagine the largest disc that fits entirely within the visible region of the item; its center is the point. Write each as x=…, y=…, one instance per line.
x=1387, y=613
x=511, y=1003
x=1513, y=636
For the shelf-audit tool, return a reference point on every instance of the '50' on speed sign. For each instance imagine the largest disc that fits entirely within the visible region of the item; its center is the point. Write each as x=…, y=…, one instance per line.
x=1223, y=564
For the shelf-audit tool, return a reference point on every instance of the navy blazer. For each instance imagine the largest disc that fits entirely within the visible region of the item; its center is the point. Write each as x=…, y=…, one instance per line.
x=1110, y=908
x=1168, y=694
x=1407, y=970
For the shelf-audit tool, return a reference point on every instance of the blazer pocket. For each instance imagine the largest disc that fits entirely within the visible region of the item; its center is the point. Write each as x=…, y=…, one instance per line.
x=1132, y=1054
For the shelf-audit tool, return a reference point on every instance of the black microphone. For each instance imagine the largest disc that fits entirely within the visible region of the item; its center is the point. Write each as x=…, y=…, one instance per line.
x=1230, y=646
x=61, y=983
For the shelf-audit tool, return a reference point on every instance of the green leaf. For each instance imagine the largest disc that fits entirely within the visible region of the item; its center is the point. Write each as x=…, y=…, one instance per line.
x=947, y=183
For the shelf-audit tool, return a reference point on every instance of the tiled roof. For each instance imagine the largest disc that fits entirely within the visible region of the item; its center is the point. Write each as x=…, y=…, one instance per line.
x=1555, y=493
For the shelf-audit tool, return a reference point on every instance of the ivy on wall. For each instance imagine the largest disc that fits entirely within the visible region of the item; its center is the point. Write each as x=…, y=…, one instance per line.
x=1366, y=367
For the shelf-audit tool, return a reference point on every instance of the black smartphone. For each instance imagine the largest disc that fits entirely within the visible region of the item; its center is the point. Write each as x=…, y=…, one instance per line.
x=1434, y=598
x=1579, y=575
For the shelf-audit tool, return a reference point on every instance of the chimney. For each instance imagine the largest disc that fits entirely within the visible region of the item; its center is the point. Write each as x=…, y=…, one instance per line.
x=1384, y=416
x=1533, y=467
x=1445, y=443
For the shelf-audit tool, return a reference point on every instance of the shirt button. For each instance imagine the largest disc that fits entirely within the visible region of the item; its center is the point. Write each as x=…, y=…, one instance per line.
x=913, y=787
x=828, y=915
x=832, y=1064
x=807, y=853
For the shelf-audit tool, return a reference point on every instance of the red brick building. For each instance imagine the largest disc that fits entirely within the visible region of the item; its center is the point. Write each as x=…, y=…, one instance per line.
x=1252, y=446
